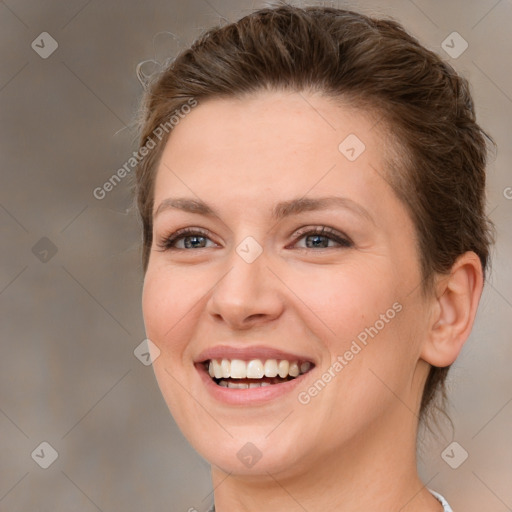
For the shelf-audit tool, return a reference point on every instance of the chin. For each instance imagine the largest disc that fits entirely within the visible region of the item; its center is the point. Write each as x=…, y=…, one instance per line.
x=250, y=460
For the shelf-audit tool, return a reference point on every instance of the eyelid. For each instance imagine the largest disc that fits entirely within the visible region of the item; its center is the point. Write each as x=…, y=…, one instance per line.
x=165, y=243
x=321, y=230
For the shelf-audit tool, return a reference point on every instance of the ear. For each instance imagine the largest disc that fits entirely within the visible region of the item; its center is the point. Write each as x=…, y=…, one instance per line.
x=453, y=310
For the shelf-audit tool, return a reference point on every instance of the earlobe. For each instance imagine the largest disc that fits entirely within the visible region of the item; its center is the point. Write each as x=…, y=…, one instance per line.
x=453, y=311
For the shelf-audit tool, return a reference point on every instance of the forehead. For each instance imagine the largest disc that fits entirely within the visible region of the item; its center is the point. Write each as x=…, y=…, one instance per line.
x=271, y=144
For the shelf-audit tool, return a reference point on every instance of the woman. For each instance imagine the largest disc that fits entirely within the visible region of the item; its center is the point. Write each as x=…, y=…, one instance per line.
x=315, y=244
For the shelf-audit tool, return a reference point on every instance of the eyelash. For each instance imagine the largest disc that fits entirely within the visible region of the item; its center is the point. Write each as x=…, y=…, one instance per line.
x=166, y=244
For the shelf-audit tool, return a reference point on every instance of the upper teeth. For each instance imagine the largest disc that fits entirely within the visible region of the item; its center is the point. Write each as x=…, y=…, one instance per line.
x=255, y=368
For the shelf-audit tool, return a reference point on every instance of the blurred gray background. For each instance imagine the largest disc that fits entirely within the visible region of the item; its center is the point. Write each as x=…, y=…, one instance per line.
x=70, y=278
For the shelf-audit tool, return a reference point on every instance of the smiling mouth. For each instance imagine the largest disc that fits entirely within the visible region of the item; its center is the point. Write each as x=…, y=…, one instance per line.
x=240, y=374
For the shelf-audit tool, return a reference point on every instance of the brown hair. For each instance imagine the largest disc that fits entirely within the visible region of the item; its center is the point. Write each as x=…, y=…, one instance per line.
x=374, y=64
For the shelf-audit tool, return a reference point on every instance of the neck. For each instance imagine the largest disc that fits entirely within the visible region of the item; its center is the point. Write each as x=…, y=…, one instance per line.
x=375, y=471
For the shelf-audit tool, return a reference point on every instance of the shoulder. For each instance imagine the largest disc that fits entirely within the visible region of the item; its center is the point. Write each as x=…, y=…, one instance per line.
x=443, y=502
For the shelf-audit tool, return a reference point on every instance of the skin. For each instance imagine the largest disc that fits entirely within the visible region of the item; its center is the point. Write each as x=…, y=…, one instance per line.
x=352, y=447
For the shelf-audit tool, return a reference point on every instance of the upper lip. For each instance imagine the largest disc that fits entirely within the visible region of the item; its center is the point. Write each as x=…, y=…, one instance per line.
x=248, y=353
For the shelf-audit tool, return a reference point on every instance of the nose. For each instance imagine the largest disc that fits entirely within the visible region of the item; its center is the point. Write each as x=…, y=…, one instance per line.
x=247, y=295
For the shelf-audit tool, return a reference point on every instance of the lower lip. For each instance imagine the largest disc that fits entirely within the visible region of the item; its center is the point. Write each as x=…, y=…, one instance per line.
x=249, y=396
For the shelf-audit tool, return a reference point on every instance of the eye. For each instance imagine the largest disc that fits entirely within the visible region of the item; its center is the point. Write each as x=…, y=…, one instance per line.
x=195, y=238
x=320, y=236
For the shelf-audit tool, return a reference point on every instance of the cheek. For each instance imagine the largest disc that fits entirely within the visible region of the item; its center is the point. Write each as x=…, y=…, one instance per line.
x=165, y=303
x=373, y=366
x=154, y=305
x=347, y=300
x=363, y=318
x=167, y=313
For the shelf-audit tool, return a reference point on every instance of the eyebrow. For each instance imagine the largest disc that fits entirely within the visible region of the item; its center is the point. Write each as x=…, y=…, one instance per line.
x=280, y=211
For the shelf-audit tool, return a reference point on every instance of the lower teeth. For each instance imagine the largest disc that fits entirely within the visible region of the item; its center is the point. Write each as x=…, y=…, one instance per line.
x=241, y=385
x=233, y=384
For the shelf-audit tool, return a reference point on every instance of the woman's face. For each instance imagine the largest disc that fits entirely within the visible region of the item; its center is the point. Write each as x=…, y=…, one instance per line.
x=254, y=284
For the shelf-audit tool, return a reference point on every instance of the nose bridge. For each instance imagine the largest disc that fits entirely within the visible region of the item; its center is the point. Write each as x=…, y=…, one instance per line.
x=245, y=291
x=242, y=282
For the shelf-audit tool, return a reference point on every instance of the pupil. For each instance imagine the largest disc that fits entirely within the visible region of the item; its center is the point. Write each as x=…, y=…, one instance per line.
x=317, y=238
x=194, y=243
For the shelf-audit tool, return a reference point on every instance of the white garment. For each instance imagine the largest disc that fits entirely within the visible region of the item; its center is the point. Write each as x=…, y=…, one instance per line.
x=446, y=507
